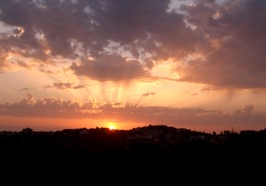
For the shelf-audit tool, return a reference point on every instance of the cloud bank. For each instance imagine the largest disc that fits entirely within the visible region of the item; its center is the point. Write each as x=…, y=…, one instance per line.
x=115, y=40
x=189, y=117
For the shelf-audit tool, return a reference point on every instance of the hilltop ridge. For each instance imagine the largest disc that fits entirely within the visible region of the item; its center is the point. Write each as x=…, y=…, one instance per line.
x=151, y=149
x=154, y=138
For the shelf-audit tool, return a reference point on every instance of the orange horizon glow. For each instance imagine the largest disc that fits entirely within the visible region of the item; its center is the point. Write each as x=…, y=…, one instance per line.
x=9, y=123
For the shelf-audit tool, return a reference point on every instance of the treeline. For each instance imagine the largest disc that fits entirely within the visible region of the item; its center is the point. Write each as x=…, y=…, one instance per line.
x=150, y=141
x=154, y=149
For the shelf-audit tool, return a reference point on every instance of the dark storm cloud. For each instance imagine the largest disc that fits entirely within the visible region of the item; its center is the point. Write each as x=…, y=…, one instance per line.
x=235, y=56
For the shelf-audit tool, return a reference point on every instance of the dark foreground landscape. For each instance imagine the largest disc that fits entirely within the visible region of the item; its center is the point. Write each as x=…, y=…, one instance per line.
x=152, y=150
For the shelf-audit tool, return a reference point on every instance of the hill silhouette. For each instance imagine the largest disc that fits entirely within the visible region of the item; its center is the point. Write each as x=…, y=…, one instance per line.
x=153, y=149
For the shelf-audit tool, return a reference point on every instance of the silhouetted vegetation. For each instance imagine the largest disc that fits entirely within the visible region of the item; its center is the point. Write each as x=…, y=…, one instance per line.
x=143, y=148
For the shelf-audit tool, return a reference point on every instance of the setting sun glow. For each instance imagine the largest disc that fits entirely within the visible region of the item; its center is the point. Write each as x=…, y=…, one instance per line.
x=111, y=125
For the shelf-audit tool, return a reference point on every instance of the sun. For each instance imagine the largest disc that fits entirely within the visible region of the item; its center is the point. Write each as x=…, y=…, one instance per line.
x=111, y=125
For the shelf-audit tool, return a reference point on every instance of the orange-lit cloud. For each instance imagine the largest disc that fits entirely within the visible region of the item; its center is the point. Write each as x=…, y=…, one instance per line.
x=179, y=117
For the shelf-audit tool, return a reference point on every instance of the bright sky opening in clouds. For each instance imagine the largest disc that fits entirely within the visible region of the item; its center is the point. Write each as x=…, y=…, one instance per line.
x=197, y=64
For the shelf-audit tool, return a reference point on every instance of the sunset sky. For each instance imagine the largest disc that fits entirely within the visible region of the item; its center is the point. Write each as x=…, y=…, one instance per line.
x=190, y=64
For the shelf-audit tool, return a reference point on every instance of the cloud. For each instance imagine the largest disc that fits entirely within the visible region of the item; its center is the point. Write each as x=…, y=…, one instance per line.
x=79, y=86
x=46, y=71
x=189, y=117
x=148, y=94
x=23, y=64
x=46, y=107
x=235, y=33
x=24, y=89
x=206, y=89
x=144, y=31
x=3, y=57
x=125, y=39
x=246, y=110
x=62, y=86
x=110, y=67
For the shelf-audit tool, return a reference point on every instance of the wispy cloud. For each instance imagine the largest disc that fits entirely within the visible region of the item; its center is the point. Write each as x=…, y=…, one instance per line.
x=148, y=94
x=62, y=85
